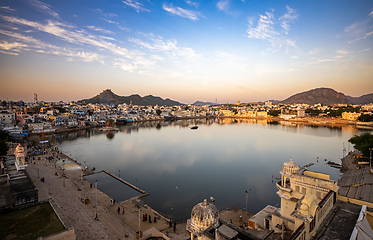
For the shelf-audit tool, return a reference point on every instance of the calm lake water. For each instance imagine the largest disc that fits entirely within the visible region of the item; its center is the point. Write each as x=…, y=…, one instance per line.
x=180, y=167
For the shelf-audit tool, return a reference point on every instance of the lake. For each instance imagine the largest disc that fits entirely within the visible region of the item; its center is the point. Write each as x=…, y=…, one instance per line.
x=179, y=167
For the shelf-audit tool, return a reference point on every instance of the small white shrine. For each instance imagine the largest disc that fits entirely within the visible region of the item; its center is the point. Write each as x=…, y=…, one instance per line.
x=20, y=157
x=204, y=215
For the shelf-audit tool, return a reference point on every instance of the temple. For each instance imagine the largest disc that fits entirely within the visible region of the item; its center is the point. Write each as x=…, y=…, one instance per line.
x=20, y=158
x=306, y=199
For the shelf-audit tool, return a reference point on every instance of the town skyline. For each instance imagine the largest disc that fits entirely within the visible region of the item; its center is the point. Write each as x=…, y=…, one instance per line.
x=186, y=51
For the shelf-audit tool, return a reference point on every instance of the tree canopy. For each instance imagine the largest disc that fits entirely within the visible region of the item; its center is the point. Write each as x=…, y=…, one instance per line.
x=3, y=146
x=362, y=142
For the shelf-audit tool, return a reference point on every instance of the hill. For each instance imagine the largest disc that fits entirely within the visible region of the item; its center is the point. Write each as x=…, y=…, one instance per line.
x=325, y=96
x=107, y=97
x=200, y=103
x=364, y=99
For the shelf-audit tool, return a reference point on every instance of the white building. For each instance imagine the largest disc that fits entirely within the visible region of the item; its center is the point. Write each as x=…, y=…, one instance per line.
x=20, y=157
x=306, y=199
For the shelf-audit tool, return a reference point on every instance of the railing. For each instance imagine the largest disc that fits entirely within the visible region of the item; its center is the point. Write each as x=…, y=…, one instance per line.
x=285, y=188
x=297, y=233
x=323, y=201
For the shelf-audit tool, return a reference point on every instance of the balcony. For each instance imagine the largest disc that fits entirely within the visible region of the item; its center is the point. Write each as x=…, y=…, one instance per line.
x=285, y=188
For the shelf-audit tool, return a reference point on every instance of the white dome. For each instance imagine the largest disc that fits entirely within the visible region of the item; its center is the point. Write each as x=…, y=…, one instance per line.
x=205, y=214
x=290, y=167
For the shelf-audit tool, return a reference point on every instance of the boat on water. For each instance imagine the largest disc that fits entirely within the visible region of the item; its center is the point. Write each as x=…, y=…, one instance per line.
x=194, y=127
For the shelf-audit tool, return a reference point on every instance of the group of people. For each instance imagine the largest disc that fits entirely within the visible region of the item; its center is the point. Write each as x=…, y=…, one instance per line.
x=145, y=217
x=173, y=223
x=112, y=202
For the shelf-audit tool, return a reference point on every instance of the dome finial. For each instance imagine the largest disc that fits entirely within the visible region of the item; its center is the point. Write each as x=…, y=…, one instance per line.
x=204, y=202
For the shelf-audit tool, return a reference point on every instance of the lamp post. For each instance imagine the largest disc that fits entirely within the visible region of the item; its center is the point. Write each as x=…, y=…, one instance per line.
x=370, y=157
x=139, y=221
x=247, y=198
x=63, y=172
x=96, y=218
x=81, y=181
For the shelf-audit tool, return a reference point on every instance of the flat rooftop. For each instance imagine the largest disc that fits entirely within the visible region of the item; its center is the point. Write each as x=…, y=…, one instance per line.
x=357, y=184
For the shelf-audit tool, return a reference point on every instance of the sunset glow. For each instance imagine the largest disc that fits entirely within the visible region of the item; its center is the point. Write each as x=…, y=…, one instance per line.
x=228, y=50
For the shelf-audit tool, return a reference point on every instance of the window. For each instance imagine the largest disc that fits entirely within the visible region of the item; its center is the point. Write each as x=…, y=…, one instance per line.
x=297, y=188
x=318, y=194
x=303, y=190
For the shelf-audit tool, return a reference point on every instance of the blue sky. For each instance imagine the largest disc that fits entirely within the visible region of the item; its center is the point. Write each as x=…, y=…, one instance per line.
x=229, y=50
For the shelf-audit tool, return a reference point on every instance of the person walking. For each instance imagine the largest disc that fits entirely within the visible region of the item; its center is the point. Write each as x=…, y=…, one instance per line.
x=123, y=211
x=174, y=226
x=118, y=210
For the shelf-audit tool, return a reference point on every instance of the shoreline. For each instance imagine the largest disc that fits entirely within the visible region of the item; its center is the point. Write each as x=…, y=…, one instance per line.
x=107, y=214
x=314, y=121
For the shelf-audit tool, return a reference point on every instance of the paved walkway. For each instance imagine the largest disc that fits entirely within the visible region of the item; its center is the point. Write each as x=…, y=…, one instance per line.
x=74, y=213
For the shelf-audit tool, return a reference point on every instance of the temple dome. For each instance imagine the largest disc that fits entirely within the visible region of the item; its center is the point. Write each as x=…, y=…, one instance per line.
x=205, y=214
x=290, y=167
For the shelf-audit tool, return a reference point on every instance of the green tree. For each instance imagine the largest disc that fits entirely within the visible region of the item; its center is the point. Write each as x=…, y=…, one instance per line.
x=158, y=111
x=111, y=121
x=274, y=113
x=313, y=112
x=362, y=142
x=3, y=146
x=365, y=118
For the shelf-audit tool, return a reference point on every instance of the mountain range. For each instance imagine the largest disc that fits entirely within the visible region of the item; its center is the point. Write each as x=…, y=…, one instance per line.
x=107, y=97
x=327, y=96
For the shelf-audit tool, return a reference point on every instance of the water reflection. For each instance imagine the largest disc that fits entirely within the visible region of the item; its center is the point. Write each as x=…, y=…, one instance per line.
x=223, y=158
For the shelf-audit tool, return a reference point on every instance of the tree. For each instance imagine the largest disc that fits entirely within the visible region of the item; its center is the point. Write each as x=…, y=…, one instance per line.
x=158, y=111
x=365, y=118
x=3, y=146
x=60, y=109
x=274, y=113
x=111, y=121
x=313, y=112
x=362, y=142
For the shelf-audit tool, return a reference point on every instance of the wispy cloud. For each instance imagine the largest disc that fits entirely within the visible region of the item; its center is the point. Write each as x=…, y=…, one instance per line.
x=193, y=15
x=265, y=29
x=106, y=14
x=191, y=3
x=124, y=28
x=109, y=21
x=361, y=29
x=223, y=5
x=136, y=5
x=12, y=48
x=169, y=47
x=364, y=50
x=326, y=60
x=287, y=18
x=27, y=43
x=100, y=29
x=343, y=52
x=79, y=37
x=7, y=9
x=42, y=7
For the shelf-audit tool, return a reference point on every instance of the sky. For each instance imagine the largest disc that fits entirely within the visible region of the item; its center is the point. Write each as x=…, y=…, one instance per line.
x=222, y=50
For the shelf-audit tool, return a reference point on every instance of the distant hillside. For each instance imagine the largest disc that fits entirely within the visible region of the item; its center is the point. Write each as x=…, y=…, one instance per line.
x=365, y=99
x=200, y=103
x=325, y=96
x=107, y=97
